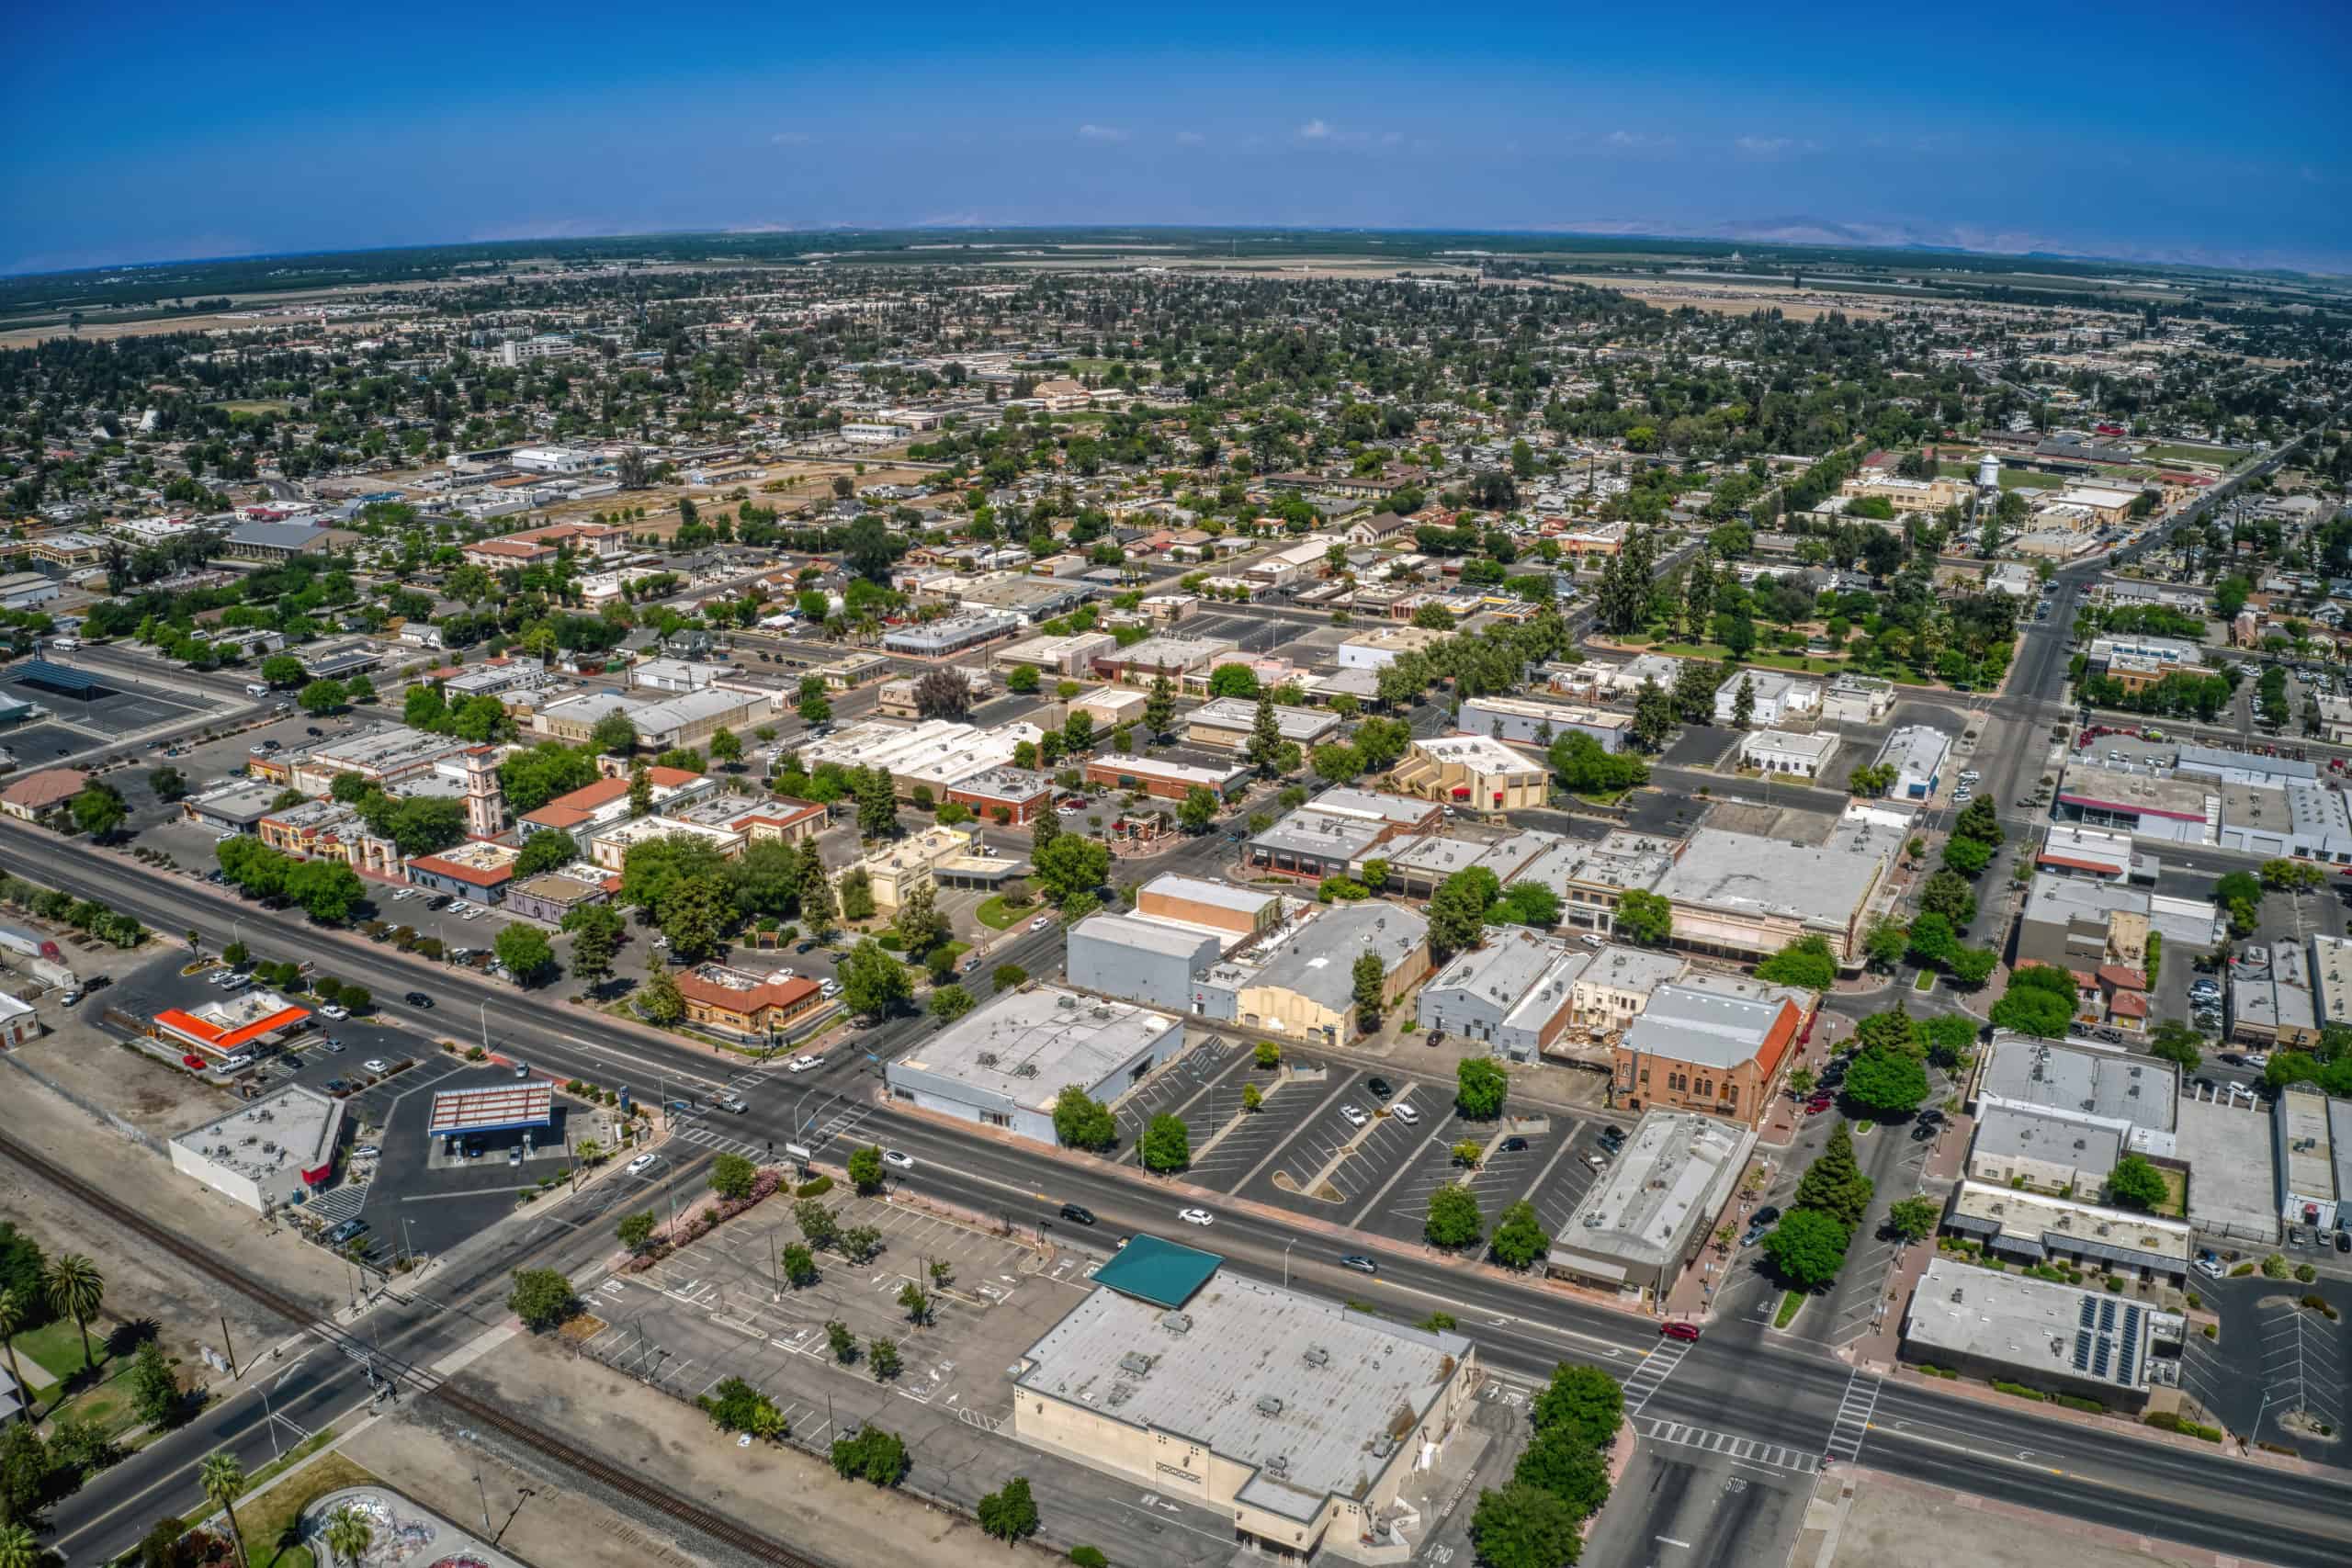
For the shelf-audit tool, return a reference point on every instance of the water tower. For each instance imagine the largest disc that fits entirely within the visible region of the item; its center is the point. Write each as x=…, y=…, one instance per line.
x=1988, y=472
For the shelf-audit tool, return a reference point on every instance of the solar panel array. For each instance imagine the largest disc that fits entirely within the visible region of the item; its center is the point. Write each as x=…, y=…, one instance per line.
x=2103, y=1346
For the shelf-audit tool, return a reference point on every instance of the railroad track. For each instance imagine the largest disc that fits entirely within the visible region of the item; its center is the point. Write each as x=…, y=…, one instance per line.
x=702, y=1520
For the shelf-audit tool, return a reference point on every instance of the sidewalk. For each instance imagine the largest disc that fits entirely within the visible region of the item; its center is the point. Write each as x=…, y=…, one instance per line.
x=1877, y=1349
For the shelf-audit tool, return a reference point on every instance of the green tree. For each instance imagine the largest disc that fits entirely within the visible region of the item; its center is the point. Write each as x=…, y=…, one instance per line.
x=873, y=1455
x=2136, y=1184
x=167, y=783
x=2178, y=1043
x=1645, y=917
x=1070, y=866
x=951, y=1002
x=526, y=952
x=915, y=1303
x=1159, y=706
x=1834, y=1183
x=1913, y=1219
x=1022, y=679
x=874, y=984
x=321, y=697
x=2040, y=1001
x=1979, y=821
x=1371, y=976
x=1264, y=748
x=15, y=1316
x=1654, y=716
x=542, y=1298
x=1521, y=1526
x=1198, y=808
x=282, y=669
x=1743, y=701
x=155, y=1391
x=882, y=1359
x=1967, y=856
x=1885, y=1081
x=842, y=1343
x=864, y=1168
x=223, y=1480
x=1008, y=1513
x=595, y=931
x=1454, y=1219
x=732, y=1177
x=1480, y=1087
x=76, y=1290
x=877, y=804
x=546, y=852
x=1807, y=1247
x=1947, y=894
x=1584, y=1400
x=1519, y=1240
x=1081, y=1121
x=1559, y=1461
x=726, y=746
x=1806, y=962
x=800, y=1267
x=636, y=1230
x=1167, y=1144
x=98, y=810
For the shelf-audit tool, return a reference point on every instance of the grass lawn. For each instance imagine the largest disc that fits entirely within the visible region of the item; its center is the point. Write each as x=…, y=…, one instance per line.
x=1926, y=982
x=1791, y=1300
x=2011, y=479
x=993, y=914
x=268, y=1520
x=2173, y=453
x=57, y=1347
x=1718, y=653
x=255, y=405
x=2175, y=1201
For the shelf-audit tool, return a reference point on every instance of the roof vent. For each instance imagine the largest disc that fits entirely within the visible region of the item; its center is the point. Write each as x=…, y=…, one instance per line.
x=1280, y=1463
x=1136, y=1362
x=1318, y=1357
x=1176, y=1322
x=1270, y=1405
x=987, y=1058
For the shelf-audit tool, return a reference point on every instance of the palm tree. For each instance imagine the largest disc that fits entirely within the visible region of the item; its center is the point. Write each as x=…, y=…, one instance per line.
x=12, y=1318
x=222, y=1479
x=17, y=1548
x=347, y=1533
x=77, y=1290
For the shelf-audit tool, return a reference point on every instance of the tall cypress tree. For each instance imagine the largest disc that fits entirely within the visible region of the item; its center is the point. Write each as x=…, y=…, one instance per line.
x=1834, y=1182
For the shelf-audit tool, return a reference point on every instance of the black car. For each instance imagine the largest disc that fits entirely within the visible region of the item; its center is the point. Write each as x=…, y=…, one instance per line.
x=438, y=901
x=1379, y=1089
x=1076, y=1215
x=418, y=1000
x=1514, y=1145
x=1923, y=1131
x=2344, y=1241
x=1612, y=1136
x=1766, y=1215
x=1931, y=1118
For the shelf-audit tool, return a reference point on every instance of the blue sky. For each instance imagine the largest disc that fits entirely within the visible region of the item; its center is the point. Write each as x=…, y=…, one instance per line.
x=145, y=131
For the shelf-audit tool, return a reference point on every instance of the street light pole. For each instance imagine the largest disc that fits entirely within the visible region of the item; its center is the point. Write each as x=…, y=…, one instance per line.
x=485, y=1027
x=1287, y=1246
x=483, y=1493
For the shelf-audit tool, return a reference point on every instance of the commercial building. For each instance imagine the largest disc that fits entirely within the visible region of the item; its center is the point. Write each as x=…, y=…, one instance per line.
x=1917, y=753
x=1597, y=681
x=2028, y=1229
x=599, y=805
x=1140, y=959
x=688, y=718
x=1005, y=794
x=896, y=869
x=1857, y=699
x=1514, y=994
x=1006, y=1064
x=1714, y=1044
x=2054, y=1339
x=1526, y=721
x=2311, y=1136
x=1472, y=770
x=1300, y=1419
x=1378, y=649
x=231, y=808
x=478, y=871
x=1778, y=697
x=1164, y=776
x=2049, y=1149
x=229, y=1033
x=1650, y=1214
x=385, y=756
x=267, y=1153
x=1300, y=982
x=43, y=796
x=1235, y=913
x=745, y=1003
x=1226, y=724
x=951, y=635
x=1784, y=754
x=1746, y=897
x=2071, y=922
x=1139, y=664
x=2270, y=999
x=1055, y=655
x=2100, y=854
x=2331, y=972
x=1418, y=865
x=1336, y=828
x=2104, y=1083
x=1590, y=878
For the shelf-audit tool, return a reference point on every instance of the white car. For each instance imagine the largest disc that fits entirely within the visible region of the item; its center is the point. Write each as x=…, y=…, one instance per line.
x=641, y=1164
x=1196, y=1216
x=1041, y=922
x=376, y=1064
x=471, y=915
x=1354, y=1117
x=730, y=1101
x=2211, y=1267
x=894, y=1157
x=334, y=1009
x=804, y=1064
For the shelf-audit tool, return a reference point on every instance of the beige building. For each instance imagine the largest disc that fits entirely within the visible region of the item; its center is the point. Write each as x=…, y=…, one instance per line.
x=1908, y=495
x=1195, y=901
x=1474, y=772
x=896, y=871
x=1299, y=1420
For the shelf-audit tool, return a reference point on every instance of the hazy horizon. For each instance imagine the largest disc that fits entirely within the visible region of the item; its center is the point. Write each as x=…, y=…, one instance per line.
x=2155, y=133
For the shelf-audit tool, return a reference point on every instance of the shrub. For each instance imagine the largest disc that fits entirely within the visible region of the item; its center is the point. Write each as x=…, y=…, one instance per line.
x=815, y=1187
x=2090, y=1406
x=2018, y=1389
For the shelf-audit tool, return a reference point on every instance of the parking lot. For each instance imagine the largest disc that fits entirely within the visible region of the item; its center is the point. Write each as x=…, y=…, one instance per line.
x=1328, y=1141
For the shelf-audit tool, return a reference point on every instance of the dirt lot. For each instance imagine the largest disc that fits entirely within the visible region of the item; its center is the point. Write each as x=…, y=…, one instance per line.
x=1899, y=1524
x=140, y=1285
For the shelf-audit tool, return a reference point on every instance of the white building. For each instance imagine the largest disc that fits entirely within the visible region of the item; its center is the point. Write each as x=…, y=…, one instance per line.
x=1918, y=752
x=1779, y=696
x=1780, y=752
x=267, y=1153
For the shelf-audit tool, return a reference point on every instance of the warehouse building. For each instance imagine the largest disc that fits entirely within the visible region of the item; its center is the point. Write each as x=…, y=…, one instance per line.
x=2054, y=1339
x=1647, y=1218
x=269, y=1153
x=1005, y=1064
x=1227, y=722
x=951, y=635
x=1301, y=1419
x=1917, y=752
x=2026, y=1229
x=1301, y=983
x=1514, y=995
x=1141, y=960
x=1745, y=897
x=1525, y=721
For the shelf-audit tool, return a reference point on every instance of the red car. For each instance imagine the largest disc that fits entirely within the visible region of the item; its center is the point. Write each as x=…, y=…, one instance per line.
x=193, y=1063
x=1678, y=1330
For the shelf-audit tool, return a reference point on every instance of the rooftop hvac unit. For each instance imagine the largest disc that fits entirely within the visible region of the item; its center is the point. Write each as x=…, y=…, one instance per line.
x=1382, y=1446
x=1280, y=1463
x=1270, y=1405
x=1176, y=1322
x=987, y=1058
x=1065, y=1000
x=1135, y=1362
x=1025, y=1070
x=1318, y=1357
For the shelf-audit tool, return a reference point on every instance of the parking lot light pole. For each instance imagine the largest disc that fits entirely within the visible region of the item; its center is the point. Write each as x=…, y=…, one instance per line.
x=1287, y=1246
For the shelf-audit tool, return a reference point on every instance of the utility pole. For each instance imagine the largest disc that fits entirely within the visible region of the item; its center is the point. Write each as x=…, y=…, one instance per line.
x=225, y=1342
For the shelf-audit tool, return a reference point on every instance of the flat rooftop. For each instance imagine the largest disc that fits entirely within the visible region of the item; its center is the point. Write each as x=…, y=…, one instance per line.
x=2081, y=1076
x=1217, y=895
x=1295, y=1387
x=1304, y=726
x=1820, y=884
x=2021, y=1224
x=281, y=1134
x=491, y=1109
x=2036, y=1325
x=1029, y=1046
x=2190, y=799
x=1674, y=1172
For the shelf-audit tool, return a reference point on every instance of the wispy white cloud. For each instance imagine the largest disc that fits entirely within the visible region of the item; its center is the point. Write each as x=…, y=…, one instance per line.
x=1753, y=146
x=1314, y=130
x=1092, y=133
x=1634, y=142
